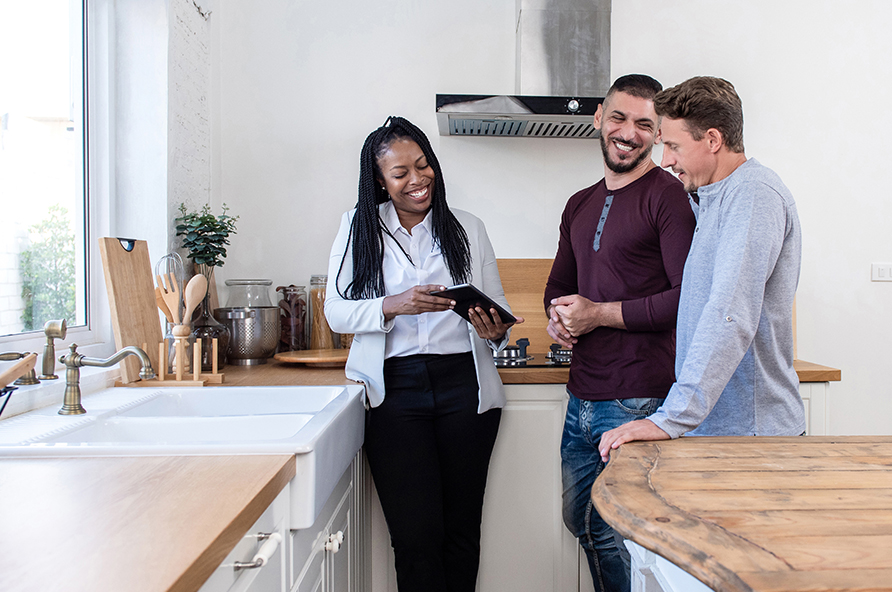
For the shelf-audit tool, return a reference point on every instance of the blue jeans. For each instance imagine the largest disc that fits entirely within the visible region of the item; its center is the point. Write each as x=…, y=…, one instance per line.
x=581, y=464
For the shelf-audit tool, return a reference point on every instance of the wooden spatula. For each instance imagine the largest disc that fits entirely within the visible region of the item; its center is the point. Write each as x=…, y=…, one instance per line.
x=159, y=299
x=170, y=293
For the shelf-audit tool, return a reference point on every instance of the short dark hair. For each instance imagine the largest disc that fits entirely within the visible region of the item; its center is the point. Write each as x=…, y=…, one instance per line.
x=637, y=85
x=705, y=102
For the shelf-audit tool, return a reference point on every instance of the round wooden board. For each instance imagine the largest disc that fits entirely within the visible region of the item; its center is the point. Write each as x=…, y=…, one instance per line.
x=315, y=357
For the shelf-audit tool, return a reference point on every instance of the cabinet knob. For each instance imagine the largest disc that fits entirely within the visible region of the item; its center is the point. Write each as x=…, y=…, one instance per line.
x=334, y=542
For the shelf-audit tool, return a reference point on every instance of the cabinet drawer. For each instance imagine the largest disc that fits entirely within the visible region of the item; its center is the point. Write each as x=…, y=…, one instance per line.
x=268, y=578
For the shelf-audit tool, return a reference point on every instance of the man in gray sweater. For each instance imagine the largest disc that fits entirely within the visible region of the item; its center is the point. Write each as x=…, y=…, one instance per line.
x=734, y=346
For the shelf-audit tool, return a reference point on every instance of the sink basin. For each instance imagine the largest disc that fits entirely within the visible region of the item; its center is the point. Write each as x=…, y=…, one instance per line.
x=322, y=425
x=227, y=401
x=140, y=431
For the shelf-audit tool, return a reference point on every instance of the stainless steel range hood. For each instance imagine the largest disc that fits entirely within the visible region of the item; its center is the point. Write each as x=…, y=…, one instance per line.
x=562, y=71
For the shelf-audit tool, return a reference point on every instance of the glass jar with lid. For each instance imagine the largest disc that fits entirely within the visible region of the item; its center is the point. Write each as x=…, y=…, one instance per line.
x=293, y=311
x=248, y=293
x=321, y=335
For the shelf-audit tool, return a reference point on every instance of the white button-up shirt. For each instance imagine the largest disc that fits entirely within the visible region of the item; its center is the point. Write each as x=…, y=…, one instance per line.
x=411, y=334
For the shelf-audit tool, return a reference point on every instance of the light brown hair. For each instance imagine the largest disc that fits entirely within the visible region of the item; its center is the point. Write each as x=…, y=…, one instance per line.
x=705, y=102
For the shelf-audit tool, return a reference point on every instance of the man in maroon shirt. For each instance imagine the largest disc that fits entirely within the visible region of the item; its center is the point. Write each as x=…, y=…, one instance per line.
x=612, y=297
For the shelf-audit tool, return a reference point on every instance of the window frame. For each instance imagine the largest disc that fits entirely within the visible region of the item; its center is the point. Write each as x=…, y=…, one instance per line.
x=95, y=338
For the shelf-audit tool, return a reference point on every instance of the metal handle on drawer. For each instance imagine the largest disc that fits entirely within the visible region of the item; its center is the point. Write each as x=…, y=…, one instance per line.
x=263, y=554
x=334, y=542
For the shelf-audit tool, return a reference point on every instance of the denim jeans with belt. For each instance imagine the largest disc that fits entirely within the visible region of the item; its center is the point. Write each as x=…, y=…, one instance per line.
x=581, y=464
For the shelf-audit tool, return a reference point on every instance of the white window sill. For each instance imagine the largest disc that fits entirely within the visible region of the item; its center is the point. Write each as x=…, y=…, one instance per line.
x=51, y=392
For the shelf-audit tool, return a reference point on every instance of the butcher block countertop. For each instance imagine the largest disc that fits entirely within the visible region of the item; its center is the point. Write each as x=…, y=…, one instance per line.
x=159, y=523
x=757, y=513
x=142, y=524
x=279, y=373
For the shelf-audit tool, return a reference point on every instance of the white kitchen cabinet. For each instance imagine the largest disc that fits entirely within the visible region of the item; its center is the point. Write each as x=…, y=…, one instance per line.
x=327, y=557
x=652, y=573
x=266, y=578
x=524, y=545
x=814, y=397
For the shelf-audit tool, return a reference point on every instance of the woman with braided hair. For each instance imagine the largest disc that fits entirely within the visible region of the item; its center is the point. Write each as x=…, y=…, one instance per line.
x=433, y=392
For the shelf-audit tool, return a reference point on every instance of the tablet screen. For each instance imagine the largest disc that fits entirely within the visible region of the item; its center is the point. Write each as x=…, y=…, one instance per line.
x=467, y=296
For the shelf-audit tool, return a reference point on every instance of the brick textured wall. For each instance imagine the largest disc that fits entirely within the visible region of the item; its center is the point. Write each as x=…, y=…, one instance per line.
x=189, y=131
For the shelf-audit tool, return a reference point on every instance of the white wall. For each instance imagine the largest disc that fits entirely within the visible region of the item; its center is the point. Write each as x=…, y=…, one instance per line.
x=140, y=136
x=298, y=86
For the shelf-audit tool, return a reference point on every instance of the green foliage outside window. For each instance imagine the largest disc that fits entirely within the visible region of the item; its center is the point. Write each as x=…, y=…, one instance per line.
x=47, y=269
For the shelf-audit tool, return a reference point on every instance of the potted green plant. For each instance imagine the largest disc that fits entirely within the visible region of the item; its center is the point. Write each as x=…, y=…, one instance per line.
x=205, y=236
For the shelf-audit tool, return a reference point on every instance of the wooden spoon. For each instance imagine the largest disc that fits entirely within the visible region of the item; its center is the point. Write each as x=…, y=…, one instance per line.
x=194, y=293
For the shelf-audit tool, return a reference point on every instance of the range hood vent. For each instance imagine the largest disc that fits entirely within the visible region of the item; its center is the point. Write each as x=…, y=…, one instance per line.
x=562, y=71
x=517, y=116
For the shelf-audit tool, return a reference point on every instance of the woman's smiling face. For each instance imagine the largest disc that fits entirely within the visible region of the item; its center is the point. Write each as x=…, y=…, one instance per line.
x=408, y=179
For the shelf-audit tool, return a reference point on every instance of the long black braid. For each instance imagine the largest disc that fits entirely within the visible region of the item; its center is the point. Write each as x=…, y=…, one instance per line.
x=367, y=229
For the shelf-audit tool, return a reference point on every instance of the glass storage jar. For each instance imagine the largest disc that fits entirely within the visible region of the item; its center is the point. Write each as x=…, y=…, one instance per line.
x=293, y=311
x=321, y=335
x=248, y=293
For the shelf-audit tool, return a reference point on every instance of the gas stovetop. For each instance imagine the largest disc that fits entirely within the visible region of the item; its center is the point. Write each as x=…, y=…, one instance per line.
x=515, y=356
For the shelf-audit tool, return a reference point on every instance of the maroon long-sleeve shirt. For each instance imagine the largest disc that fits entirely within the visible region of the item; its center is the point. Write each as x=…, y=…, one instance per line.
x=637, y=258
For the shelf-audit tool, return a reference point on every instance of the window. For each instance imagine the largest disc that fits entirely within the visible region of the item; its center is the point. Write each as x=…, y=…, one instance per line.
x=43, y=164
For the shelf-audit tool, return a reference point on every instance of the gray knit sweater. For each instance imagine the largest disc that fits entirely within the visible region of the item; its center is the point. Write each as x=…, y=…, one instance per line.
x=734, y=361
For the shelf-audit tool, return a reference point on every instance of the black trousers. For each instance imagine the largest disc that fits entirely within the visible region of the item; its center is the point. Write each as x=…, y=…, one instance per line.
x=429, y=450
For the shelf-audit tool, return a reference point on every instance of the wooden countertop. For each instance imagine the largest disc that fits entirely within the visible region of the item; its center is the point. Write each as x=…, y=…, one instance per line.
x=278, y=373
x=136, y=524
x=153, y=523
x=754, y=513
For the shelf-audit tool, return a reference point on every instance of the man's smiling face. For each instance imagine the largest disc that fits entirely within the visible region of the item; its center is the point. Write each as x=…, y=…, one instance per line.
x=628, y=127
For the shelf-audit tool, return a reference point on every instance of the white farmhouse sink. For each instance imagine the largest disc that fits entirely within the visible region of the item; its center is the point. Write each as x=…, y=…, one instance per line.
x=122, y=431
x=323, y=426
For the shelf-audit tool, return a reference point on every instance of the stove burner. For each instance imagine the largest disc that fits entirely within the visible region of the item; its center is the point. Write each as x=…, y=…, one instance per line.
x=559, y=356
x=513, y=355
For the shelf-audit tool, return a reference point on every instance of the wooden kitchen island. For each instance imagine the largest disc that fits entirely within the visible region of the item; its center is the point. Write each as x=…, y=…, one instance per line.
x=757, y=513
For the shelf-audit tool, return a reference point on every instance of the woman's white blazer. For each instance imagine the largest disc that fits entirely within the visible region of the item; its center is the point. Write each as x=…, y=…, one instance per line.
x=365, y=318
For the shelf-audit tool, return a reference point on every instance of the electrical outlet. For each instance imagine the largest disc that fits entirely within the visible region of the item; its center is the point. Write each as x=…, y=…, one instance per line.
x=881, y=272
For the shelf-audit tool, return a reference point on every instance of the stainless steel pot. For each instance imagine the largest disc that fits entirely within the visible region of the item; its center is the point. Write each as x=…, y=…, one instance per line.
x=255, y=333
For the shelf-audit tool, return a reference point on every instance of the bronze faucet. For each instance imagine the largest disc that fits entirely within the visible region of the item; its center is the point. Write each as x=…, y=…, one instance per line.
x=71, y=405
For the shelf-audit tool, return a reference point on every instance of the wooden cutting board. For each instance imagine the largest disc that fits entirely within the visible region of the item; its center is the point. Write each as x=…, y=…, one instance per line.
x=315, y=357
x=131, y=296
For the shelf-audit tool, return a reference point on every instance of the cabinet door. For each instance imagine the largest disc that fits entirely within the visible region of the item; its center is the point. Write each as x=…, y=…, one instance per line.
x=312, y=564
x=340, y=555
x=525, y=546
x=312, y=575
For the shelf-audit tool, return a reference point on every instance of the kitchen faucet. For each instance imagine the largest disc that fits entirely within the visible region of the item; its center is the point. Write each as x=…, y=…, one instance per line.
x=71, y=405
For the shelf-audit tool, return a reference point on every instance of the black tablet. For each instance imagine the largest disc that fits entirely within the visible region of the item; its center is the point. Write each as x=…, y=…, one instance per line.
x=467, y=296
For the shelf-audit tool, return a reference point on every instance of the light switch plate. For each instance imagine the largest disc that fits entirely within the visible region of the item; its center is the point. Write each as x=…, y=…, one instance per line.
x=881, y=272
